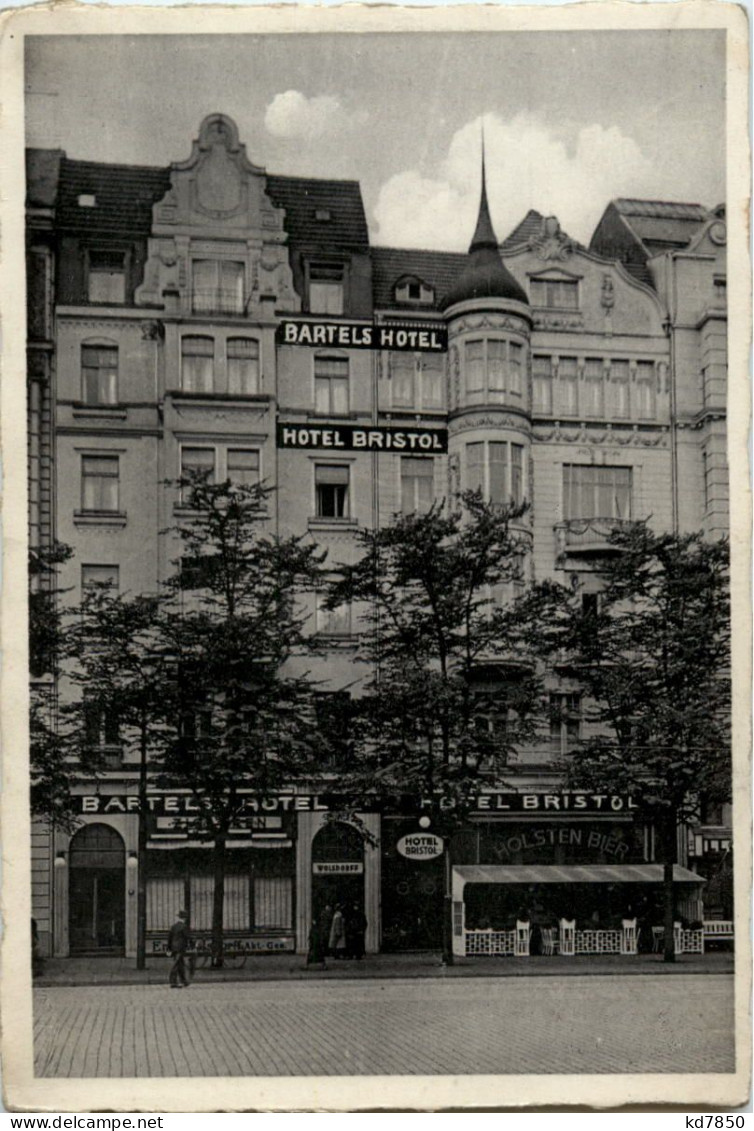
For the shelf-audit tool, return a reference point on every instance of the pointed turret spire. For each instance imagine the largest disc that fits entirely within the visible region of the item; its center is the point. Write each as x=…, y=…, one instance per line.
x=484, y=236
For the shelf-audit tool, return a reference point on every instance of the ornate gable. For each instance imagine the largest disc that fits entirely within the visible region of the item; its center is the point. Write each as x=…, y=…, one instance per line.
x=217, y=205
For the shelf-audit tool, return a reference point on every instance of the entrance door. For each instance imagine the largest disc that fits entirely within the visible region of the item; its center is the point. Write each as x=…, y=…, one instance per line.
x=96, y=896
x=338, y=868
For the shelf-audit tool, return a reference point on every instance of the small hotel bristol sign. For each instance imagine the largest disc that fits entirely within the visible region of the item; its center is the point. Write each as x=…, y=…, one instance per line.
x=346, y=438
x=357, y=336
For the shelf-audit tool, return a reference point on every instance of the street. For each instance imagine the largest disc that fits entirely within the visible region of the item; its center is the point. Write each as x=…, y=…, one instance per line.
x=592, y=1024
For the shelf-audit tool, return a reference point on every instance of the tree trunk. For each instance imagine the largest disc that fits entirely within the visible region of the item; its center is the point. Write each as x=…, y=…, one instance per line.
x=218, y=900
x=141, y=886
x=668, y=892
x=447, y=910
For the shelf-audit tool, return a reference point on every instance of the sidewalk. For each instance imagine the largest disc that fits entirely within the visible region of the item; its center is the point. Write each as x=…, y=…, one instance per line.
x=290, y=967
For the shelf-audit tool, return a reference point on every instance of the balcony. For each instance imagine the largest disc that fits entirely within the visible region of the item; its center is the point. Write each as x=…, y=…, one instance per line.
x=586, y=536
x=217, y=300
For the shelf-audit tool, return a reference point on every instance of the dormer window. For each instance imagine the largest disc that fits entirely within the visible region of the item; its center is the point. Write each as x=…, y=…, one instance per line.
x=413, y=291
x=557, y=292
x=326, y=287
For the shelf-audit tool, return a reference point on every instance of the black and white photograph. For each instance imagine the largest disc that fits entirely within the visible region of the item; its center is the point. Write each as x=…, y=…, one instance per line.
x=378, y=723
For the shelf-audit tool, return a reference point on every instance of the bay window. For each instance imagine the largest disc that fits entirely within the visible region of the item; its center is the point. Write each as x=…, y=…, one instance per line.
x=496, y=468
x=493, y=370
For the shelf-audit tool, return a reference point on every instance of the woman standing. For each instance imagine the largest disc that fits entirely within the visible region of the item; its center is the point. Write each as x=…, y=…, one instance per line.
x=338, y=934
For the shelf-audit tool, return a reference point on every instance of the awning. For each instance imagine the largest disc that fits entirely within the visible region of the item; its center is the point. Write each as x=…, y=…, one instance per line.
x=571, y=874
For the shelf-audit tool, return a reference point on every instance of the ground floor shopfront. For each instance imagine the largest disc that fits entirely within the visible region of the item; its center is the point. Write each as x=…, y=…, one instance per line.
x=293, y=857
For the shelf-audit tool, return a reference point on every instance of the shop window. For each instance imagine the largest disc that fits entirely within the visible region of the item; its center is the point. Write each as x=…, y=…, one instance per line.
x=565, y=721
x=568, y=399
x=558, y=294
x=166, y=896
x=417, y=484
x=243, y=366
x=99, y=374
x=594, y=401
x=542, y=383
x=645, y=390
x=197, y=364
x=619, y=381
x=236, y=905
x=243, y=466
x=596, y=492
x=326, y=288
x=98, y=578
x=100, y=484
x=332, y=622
x=273, y=903
x=331, y=386
x=493, y=370
x=217, y=286
x=496, y=469
x=107, y=277
x=331, y=483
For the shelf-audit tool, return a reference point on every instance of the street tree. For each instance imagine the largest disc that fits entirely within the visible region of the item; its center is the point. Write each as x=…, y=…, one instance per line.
x=451, y=693
x=123, y=674
x=652, y=652
x=235, y=627
x=51, y=768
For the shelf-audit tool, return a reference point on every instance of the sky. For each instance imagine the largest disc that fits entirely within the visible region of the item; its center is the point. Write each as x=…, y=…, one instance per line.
x=570, y=119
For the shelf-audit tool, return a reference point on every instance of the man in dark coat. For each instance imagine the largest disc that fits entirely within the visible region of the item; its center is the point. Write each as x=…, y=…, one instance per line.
x=356, y=925
x=178, y=944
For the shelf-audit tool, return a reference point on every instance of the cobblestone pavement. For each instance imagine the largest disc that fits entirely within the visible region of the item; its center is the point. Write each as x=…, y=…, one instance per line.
x=599, y=1024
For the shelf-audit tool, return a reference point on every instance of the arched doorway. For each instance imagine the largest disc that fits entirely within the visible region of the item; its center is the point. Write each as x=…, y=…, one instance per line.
x=97, y=893
x=337, y=867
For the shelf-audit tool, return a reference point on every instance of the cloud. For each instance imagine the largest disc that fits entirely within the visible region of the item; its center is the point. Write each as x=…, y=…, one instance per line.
x=294, y=115
x=528, y=166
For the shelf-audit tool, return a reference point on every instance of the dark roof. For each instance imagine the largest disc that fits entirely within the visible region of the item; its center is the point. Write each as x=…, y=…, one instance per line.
x=303, y=197
x=438, y=269
x=530, y=226
x=485, y=276
x=660, y=209
x=125, y=195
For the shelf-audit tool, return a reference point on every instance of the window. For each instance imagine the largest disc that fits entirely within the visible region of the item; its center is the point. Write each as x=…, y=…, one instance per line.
x=596, y=492
x=331, y=385
x=331, y=490
x=243, y=366
x=100, y=480
x=198, y=461
x=645, y=390
x=565, y=721
x=99, y=375
x=101, y=728
x=542, y=383
x=496, y=469
x=562, y=294
x=568, y=386
x=197, y=364
x=620, y=389
x=333, y=713
x=107, y=277
x=417, y=484
x=99, y=577
x=417, y=380
x=217, y=286
x=332, y=622
x=243, y=466
x=594, y=402
x=326, y=288
x=492, y=368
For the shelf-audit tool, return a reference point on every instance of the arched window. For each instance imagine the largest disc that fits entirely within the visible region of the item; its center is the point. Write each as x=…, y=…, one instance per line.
x=97, y=846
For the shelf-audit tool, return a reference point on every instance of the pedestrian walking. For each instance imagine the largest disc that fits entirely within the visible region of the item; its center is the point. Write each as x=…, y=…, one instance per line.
x=337, y=944
x=178, y=944
x=356, y=925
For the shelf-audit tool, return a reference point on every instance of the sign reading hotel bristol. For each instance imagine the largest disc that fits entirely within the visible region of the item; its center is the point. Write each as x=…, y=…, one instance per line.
x=555, y=803
x=357, y=336
x=420, y=846
x=346, y=438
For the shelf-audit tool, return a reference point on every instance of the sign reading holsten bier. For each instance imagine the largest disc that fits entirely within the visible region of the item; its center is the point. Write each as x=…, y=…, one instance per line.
x=357, y=336
x=347, y=438
x=420, y=846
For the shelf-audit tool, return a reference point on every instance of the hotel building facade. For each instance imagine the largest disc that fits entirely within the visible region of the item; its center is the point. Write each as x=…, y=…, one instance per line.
x=210, y=315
